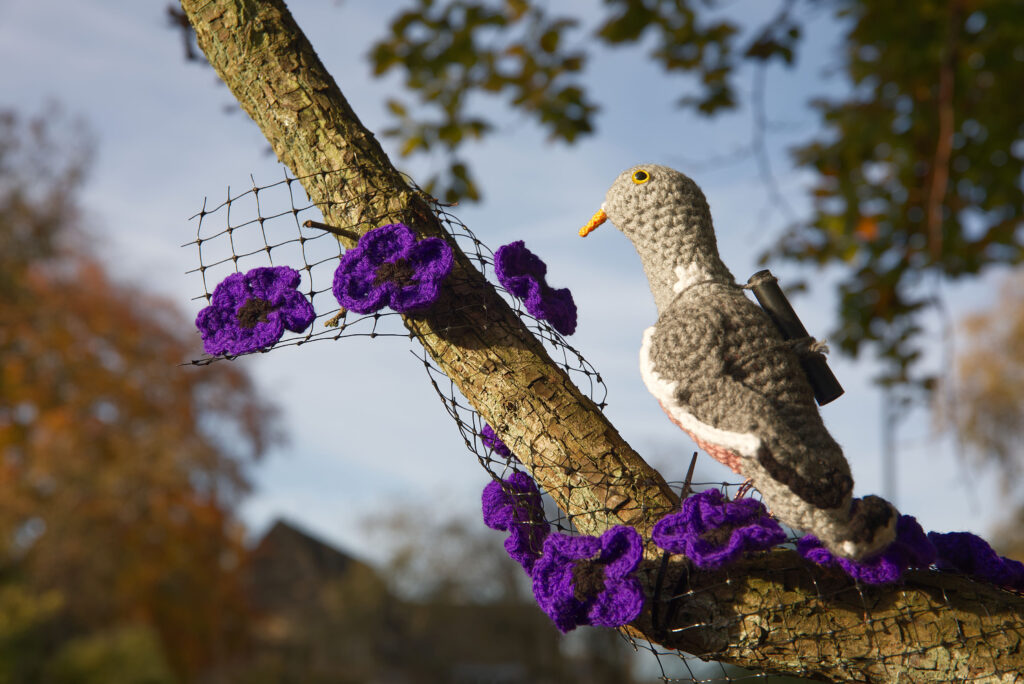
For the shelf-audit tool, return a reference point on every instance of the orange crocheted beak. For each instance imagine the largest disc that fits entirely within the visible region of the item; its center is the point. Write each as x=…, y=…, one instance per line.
x=596, y=220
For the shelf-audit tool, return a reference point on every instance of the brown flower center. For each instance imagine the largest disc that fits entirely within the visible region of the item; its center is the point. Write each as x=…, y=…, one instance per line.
x=588, y=579
x=717, y=536
x=253, y=311
x=399, y=271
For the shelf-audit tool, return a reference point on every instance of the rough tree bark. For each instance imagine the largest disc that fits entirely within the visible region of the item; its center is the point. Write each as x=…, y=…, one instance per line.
x=772, y=612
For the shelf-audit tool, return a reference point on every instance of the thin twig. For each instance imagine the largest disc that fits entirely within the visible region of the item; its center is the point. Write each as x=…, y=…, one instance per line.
x=343, y=232
x=687, y=490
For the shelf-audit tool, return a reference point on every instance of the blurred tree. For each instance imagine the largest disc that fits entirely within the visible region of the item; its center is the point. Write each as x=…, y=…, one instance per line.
x=920, y=167
x=120, y=467
x=983, y=401
x=25, y=616
x=457, y=580
x=986, y=399
x=448, y=559
x=126, y=655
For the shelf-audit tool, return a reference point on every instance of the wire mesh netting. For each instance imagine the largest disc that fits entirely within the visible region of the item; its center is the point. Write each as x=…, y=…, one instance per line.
x=265, y=225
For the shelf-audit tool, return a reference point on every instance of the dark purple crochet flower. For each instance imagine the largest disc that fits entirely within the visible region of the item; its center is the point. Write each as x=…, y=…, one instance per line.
x=514, y=506
x=521, y=272
x=910, y=549
x=589, y=580
x=711, y=531
x=493, y=442
x=250, y=311
x=389, y=267
x=971, y=555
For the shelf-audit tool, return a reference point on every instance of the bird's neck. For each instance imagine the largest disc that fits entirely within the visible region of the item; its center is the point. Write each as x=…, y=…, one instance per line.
x=674, y=265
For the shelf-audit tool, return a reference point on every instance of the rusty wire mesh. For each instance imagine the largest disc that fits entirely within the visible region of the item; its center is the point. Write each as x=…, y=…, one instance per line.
x=263, y=225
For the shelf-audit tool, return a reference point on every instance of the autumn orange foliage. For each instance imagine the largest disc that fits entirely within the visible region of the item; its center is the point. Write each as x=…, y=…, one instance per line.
x=120, y=468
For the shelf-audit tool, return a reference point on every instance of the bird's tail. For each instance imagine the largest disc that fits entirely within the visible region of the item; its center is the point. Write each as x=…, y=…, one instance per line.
x=871, y=527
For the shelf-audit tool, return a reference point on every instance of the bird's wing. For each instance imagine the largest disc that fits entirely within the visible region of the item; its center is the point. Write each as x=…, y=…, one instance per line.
x=683, y=362
x=688, y=356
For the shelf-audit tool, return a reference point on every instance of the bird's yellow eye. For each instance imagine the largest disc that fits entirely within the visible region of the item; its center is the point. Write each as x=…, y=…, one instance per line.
x=640, y=177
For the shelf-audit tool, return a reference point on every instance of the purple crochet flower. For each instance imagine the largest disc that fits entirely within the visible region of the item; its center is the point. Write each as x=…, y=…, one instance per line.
x=971, y=555
x=521, y=272
x=389, y=267
x=250, y=311
x=910, y=549
x=493, y=442
x=712, y=531
x=514, y=506
x=589, y=580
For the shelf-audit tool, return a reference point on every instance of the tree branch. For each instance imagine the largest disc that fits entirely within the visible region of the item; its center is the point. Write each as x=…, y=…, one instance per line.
x=774, y=611
x=477, y=340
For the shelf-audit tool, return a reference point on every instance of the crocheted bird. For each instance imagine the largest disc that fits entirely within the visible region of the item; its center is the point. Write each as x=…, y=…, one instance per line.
x=723, y=373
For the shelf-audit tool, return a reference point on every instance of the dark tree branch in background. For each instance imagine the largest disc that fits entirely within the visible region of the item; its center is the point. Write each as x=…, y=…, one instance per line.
x=772, y=612
x=944, y=139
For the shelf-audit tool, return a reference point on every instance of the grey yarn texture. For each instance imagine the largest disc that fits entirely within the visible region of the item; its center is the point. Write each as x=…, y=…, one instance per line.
x=723, y=373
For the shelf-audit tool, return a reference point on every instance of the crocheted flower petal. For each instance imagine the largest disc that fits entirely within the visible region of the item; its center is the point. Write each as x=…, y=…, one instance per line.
x=883, y=569
x=513, y=504
x=531, y=296
x=521, y=272
x=354, y=285
x=621, y=550
x=910, y=549
x=746, y=521
x=970, y=554
x=1013, y=574
x=811, y=548
x=557, y=308
x=386, y=243
x=493, y=442
x=710, y=510
x=712, y=556
x=296, y=312
x=230, y=293
x=415, y=297
x=553, y=580
x=620, y=603
x=744, y=511
x=432, y=259
x=496, y=509
x=234, y=339
x=269, y=282
x=568, y=549
x=219, y=325
x=526, y=542
x=681, y=532
x=912, y=544
x=260, y=336
x=668, y=533
x=215, y=325
x=760, y=535
x=514, y=260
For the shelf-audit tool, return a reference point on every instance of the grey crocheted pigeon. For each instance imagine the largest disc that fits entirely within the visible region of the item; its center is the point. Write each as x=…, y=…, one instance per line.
x=723, y=373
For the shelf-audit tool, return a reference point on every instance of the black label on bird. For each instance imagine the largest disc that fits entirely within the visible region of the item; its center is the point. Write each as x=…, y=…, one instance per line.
x=770, y=296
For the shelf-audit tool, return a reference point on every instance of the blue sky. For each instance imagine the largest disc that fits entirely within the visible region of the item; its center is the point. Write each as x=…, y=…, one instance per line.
x=367, y=432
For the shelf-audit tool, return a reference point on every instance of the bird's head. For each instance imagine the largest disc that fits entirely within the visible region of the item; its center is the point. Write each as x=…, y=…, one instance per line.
x=666, y=217
x=649, y=199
